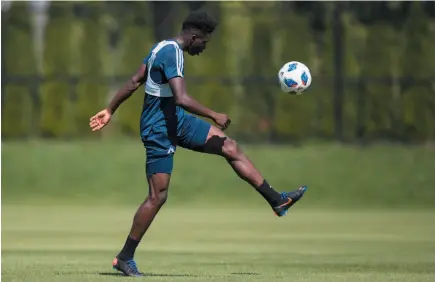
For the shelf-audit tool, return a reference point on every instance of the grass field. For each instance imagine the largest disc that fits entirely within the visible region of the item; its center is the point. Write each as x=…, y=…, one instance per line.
x=368, y=214
x=113, y=172
x=78, y=243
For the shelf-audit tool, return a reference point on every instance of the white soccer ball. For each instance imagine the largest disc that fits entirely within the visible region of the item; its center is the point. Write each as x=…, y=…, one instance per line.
x=294, y=78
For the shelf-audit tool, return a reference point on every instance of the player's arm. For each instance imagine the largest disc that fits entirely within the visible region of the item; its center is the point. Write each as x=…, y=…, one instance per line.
x=184, y=100
x=173, y=70
x=102, y=118
x=187, y=102
x=128, y=88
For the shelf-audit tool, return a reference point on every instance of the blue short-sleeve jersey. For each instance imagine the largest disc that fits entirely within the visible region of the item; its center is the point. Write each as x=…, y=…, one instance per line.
x=164, y=62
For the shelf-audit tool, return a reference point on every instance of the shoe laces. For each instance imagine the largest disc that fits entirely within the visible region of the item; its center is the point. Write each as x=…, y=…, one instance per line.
x=298, y=192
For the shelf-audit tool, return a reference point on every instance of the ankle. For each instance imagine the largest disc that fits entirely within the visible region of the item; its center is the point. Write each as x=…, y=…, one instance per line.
x=129, y=249
x=269, y=194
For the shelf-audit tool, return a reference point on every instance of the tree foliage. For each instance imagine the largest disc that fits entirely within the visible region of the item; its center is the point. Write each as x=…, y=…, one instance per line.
x=19, y=61
x=92, y=48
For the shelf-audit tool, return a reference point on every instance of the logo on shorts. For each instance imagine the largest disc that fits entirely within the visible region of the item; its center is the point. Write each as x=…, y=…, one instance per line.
x=171, y=151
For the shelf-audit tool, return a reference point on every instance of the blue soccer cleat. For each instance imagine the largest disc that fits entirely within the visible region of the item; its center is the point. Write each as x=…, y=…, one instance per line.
x=291, y=199
x=128, y=267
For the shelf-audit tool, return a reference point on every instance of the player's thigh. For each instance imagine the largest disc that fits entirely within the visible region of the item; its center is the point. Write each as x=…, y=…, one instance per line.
x=158, y=183
x=160, y=152
x=201, y=136
x=193, y=132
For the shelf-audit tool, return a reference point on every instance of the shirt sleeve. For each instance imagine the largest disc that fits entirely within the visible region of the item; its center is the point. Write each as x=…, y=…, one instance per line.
x=172, y=62
x=145, y=61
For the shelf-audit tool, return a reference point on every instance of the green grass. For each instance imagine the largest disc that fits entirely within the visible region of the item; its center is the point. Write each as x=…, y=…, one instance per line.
x=94, y=172
x=77, y=243
x=67, y=208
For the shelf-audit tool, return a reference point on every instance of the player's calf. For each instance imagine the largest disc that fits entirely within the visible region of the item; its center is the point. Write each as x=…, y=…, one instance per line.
x=220, y=144
x=280, y=202
x=239, y=161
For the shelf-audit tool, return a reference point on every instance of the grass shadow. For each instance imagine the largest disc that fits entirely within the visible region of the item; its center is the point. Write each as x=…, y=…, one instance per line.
x=150, y=274
x=245, y=273
x=175, y=275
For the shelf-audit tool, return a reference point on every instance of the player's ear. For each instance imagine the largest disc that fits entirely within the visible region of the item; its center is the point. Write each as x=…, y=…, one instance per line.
x=193, y=38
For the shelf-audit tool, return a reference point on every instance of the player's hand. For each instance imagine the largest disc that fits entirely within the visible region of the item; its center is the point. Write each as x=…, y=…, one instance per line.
x=222, y=120
x=100, y=120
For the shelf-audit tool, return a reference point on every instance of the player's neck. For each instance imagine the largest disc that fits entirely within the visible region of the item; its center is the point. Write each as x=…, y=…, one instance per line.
x=180, y=40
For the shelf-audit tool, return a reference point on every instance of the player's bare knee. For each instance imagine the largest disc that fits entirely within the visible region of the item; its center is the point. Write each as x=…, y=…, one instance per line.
x=163, y=197
x=159, y=197
x=159, y=184
x=231, y=149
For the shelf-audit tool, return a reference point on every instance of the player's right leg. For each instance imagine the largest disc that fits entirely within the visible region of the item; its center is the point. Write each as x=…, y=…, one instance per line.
x=203, y=137
x=218, y=143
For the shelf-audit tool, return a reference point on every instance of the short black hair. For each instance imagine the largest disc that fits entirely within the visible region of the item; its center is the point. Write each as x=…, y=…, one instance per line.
x=200, y=20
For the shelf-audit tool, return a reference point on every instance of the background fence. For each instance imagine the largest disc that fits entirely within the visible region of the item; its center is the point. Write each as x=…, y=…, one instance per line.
x=372, y=65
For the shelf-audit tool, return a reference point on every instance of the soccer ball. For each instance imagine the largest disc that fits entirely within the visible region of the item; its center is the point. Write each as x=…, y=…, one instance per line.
x=294, y=78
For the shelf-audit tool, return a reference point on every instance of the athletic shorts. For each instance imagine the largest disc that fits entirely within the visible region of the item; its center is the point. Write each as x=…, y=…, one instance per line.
x=164, y=126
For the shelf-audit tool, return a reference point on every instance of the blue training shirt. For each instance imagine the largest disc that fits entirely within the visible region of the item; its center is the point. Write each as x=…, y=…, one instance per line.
x=165, y=61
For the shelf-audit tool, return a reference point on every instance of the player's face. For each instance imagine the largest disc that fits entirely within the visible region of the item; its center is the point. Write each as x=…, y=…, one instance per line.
x=198, y=43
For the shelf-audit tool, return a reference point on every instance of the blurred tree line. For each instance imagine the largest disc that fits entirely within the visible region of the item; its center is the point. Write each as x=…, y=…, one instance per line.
x=372, y=65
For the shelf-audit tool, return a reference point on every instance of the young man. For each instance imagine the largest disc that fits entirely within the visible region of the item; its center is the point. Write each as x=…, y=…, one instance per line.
x=165, y=124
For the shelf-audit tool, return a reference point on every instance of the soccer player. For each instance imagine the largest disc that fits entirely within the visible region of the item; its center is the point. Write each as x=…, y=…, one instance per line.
x=165, y=124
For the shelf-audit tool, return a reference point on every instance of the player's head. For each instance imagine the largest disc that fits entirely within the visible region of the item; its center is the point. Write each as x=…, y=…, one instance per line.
x=197, y=28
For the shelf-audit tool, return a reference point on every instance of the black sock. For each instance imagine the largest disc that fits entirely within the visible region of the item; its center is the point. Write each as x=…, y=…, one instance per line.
x=268, y=193
x=129, y=248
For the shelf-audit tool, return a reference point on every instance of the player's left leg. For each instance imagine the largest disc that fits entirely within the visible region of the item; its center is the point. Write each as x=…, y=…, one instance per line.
x=144, y=216
x=159, y=136
x=203, y=137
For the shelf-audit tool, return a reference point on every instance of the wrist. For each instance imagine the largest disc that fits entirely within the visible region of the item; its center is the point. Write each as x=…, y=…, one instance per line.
x=110, y=110
x=213, y=115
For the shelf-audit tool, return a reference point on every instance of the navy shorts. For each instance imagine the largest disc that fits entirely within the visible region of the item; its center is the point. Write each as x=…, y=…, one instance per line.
x=164, y=126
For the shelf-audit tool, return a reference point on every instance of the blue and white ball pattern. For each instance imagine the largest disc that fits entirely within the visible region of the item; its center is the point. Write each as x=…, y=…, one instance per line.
x=294, y=78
